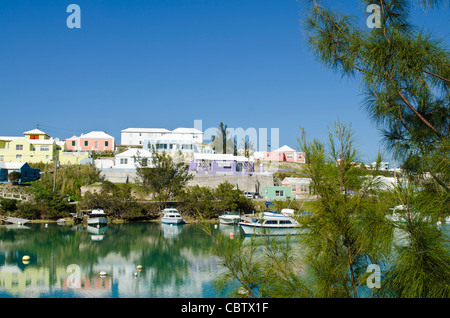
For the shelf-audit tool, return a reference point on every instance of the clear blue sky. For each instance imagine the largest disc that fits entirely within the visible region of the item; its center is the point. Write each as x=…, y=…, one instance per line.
x=165, y=63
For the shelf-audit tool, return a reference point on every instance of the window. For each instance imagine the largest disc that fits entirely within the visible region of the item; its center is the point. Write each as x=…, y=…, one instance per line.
x=73, y=143
x=304, y=189
x=271, y=222
x=2, y=158
x=18, y=156
x=96, y=145
x=294, y=188
x=19, y=147
x=285, y=222
x=279, y=193
x=45, y=148
x=86, y=143
x=123, y=161
x=106, y=143
x=289, y=156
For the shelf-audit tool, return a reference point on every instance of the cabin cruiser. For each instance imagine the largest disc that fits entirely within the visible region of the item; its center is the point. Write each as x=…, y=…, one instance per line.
x=270, y=223
x=172, y=216
x=97, y=217
x=230, y=217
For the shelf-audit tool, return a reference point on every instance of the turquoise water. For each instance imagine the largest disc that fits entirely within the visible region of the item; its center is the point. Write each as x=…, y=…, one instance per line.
x=67, y=261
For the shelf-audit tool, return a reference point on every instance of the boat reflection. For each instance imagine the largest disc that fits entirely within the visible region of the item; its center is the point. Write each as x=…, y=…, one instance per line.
x=97, y=232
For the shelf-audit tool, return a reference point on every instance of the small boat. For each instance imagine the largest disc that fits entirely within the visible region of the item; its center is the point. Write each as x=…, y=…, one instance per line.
x=61, y=221
x=271, y=223
x=230, y=217
x=172, y=216
x=97, y=217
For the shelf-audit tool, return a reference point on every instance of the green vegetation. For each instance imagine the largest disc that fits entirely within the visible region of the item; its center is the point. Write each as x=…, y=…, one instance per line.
x=210, y=203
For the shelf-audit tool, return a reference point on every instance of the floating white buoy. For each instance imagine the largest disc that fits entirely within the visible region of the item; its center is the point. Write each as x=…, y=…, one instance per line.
x=26, y=258
x=215, y=226
x=103, y=274
x=46, y=225
x=139, y=267
x=135, y=274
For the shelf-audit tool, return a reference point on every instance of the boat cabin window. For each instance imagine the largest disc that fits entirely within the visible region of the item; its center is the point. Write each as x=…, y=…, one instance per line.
x=271, y=222
x=285, y=222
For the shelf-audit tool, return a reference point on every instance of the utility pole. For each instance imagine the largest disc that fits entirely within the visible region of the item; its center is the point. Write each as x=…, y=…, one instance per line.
x=56, y=167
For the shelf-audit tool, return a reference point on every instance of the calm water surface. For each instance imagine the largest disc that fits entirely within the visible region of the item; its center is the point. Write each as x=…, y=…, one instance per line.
x=67, y=261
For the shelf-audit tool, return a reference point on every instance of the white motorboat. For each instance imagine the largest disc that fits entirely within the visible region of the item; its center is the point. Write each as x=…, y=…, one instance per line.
x=271, y=223
x=97, y=217
x=230, y=217
x=172, y=216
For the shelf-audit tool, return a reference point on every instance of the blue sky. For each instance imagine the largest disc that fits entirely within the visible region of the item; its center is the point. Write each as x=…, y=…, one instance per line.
x=166, y=63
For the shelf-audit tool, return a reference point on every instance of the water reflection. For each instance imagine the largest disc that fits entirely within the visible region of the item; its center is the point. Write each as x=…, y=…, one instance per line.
x=67, y=261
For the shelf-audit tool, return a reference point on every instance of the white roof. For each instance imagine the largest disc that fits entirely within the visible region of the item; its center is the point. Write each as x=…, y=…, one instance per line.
x=9, y=138
x=218, y=156
x=297, y=181
x=96, y=135
x=12, y=165
x=285, y=149
x=146, y=130
x=182, y=130
x=174, y=137
x=35, y=132
x=135, y=152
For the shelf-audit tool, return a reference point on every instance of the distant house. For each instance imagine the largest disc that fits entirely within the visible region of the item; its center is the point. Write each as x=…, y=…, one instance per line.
x=28, y=174
x=137, y=136
x=276, y=192
x=93, y=141
x=129, y=159
x=300, y=187
x=284, y=153
x=35, y=146
x=206, y=163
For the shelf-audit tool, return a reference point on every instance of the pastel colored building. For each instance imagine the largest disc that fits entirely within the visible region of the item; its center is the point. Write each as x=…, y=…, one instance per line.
x=204, y=163
x=284, y=153
x=36, y=146
x=300, y=187
x=276, y=193
x=93, y=141
x=28, y=174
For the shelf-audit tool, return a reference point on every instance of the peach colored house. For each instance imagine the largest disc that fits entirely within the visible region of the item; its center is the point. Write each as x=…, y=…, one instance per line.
x=93, y=141
x=284, y=153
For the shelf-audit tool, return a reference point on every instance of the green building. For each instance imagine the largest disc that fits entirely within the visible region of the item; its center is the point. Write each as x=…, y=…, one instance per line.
x=275, y=192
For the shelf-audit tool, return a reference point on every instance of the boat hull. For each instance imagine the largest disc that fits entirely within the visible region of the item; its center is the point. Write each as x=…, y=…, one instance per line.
x=229, y=220
x=97, y=221
x=167, y=220
x=258, y=229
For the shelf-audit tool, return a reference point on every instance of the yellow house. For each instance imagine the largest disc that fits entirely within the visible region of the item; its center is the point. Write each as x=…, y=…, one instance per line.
x=36, y=146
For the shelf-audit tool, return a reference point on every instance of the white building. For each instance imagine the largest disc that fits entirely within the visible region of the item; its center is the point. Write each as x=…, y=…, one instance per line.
x=384, y=166
x=129, y=159
x=137, y=136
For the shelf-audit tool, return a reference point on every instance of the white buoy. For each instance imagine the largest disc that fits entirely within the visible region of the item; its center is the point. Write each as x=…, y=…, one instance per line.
x=103, y=274
x=26, y=258
x=231, y=235
x=46, y=225
x=139, y=267
x=215, y=226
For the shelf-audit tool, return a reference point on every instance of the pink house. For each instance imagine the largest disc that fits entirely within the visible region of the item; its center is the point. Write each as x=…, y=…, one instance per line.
x=95, y=140
x=284, y=153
